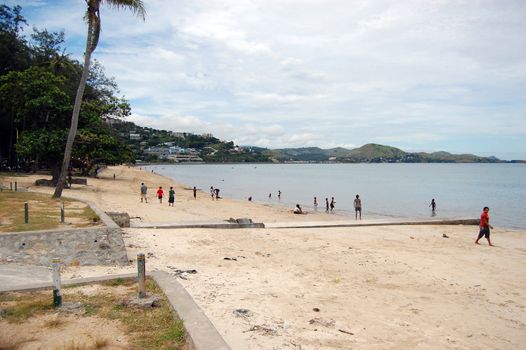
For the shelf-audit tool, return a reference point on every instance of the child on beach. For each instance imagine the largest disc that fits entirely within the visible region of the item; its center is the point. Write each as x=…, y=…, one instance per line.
x=357, y=207
x=333, y=202
x=315, y=204
x=160, y=193
x=326, y=205
x=171, y=196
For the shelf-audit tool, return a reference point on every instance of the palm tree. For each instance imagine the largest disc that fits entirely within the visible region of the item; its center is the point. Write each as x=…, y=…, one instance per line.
x=94, y=25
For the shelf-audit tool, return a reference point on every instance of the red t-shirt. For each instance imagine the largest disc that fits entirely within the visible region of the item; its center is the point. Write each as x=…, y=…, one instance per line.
x=484, y=219
x=160, y=192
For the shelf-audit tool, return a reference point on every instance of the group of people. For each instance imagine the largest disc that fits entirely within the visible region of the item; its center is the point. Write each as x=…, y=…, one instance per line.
x=214, y=193
x=484, y=224
x=329, y=206
x=160, y=194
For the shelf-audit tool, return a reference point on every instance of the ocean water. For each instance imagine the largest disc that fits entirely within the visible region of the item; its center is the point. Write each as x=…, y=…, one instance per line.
x=386, y=190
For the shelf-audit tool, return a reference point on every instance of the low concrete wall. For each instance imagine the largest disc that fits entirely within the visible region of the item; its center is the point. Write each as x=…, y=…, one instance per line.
x=121, y=219
x=90, y=246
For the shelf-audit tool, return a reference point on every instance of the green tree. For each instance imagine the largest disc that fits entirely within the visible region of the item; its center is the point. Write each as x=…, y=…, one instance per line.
x=94, y=26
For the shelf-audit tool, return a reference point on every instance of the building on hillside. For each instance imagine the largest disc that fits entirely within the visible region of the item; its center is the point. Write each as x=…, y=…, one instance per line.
x=160, y=152
x=135, y=136
x=183, y=158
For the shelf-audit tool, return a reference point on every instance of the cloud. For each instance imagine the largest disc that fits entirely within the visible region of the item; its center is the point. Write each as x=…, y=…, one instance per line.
x=280, y=73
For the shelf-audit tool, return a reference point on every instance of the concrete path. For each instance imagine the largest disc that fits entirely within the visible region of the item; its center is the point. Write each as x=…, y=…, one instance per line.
x=13, y=276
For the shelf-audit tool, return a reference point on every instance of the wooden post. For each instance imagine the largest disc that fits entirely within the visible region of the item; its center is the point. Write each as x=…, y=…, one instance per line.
x=16, y=186
x=141, y=267
x=62, y=212
x=57, y=293
x=10, y=186
x=26, y=213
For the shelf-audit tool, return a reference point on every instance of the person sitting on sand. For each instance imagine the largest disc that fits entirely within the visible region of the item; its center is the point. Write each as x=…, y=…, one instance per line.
x=160, y=193
x=297, y=210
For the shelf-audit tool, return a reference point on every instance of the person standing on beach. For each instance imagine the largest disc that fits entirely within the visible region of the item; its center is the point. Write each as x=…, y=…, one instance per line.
x=270, y=196
x=315, y=204
x=144, y=189
x=279, y=194
x=326, y=205
x=212, y=192
x=484, y=226
x=433, y=204
x=160, y=194
x=195, y=192
x=357, y=207
x=333, y=202
x=171, y=197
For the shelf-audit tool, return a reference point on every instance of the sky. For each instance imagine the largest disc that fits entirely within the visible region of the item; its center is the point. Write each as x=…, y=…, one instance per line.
x=426, y=75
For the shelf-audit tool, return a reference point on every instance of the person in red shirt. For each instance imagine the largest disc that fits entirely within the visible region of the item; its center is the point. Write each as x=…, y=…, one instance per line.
x=160, y=193
x=484, y=226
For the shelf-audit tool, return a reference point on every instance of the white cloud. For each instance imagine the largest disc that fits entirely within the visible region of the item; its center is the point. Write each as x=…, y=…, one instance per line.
x=283, y=73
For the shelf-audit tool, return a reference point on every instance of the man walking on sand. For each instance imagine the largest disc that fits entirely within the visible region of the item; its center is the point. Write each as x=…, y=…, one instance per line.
x=144, y=189
x=195, y=192
x=484, y=226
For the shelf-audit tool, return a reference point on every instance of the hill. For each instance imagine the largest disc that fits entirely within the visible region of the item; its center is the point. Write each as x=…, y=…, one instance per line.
x=152, y=145
x=371, y=153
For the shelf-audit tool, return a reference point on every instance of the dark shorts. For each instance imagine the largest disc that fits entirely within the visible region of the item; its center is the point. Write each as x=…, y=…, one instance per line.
x=358, y=209
x=484, y=231
x=171, y=200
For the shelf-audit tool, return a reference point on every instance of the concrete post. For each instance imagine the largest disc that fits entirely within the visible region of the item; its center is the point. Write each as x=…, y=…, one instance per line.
x=26, y=213
x=62, y=212
x=57, y=293
x=141, y=267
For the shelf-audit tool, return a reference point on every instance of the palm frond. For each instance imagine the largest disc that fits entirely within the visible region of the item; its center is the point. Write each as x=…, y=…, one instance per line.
x=136, y=6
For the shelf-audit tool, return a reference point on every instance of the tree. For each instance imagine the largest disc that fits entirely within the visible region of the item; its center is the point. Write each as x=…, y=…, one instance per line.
x=94, y=26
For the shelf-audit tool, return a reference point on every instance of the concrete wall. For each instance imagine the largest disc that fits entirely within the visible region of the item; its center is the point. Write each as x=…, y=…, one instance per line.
x=90, y=246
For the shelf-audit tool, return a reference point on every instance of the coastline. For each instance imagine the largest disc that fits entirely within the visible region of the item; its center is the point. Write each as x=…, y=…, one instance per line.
x=323, y=288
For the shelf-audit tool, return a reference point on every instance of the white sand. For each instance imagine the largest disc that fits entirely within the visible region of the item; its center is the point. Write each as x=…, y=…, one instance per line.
x=392, y=287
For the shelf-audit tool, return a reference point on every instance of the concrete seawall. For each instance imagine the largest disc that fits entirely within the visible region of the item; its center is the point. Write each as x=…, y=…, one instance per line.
x=89, y=246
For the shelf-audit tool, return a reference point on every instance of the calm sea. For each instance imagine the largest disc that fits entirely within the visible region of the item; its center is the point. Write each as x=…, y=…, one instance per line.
x=386, y=190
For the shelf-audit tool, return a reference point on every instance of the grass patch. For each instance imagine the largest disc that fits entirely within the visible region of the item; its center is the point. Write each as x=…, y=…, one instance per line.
x=149, y=329
x=44, y=212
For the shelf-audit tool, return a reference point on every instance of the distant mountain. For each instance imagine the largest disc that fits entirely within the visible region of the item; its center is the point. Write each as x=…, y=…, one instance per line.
x=371, y=153
x=211, y=149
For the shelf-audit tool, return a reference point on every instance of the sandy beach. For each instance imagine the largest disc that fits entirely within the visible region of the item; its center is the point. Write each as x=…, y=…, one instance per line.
x=378, y=287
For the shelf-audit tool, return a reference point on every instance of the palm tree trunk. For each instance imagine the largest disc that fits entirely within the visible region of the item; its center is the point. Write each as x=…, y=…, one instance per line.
x=74, y=121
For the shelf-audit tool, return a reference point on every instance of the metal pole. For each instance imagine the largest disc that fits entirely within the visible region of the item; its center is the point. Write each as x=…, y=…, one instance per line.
x=57, y=293
x=26, y=213
x=62, y=212
x=141, y=267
